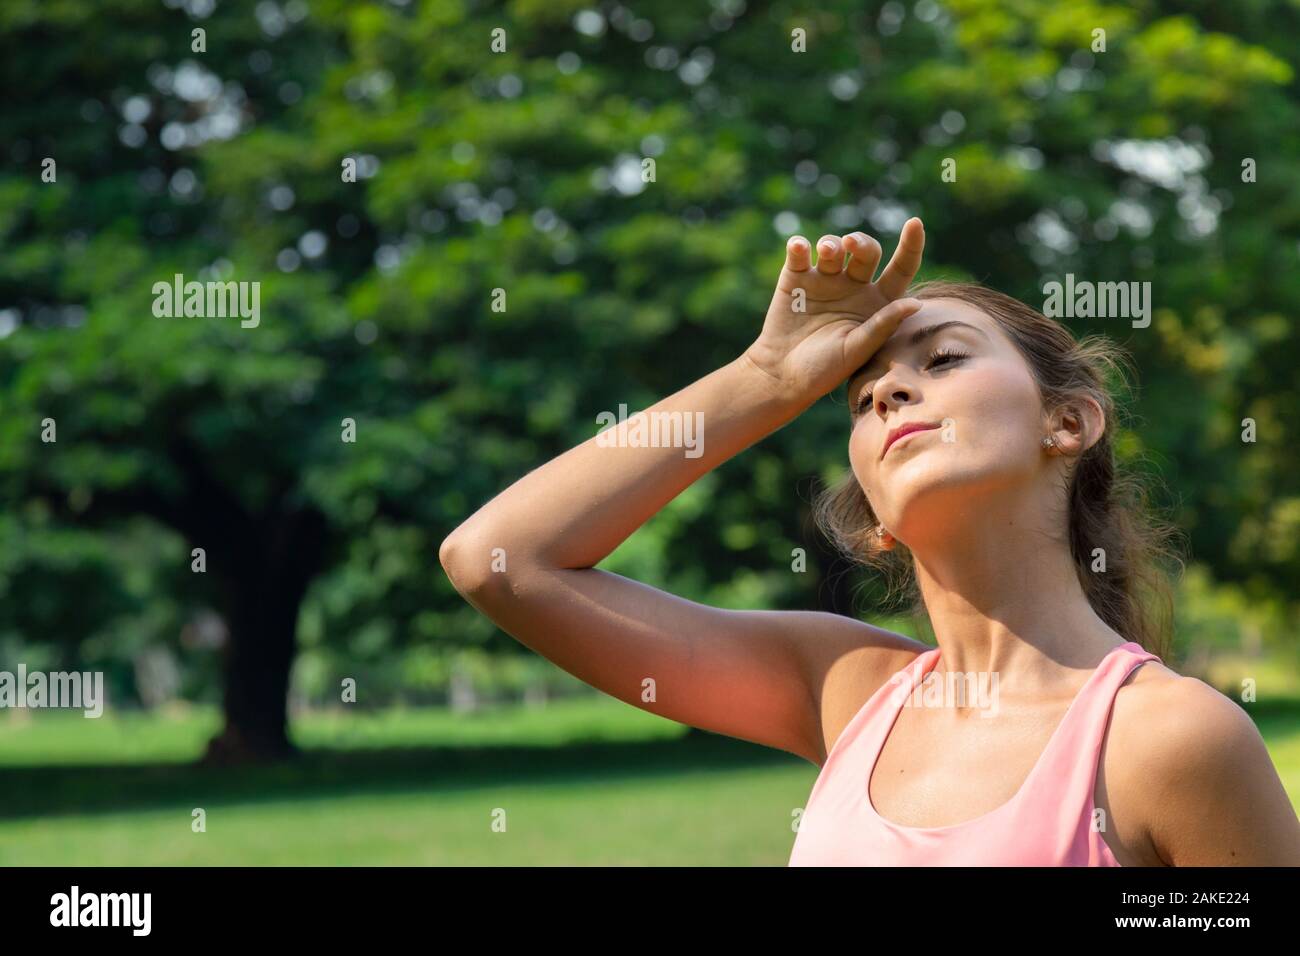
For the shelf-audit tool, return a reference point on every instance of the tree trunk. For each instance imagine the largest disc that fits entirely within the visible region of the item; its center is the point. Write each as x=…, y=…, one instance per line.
x=257, y=661
x=264, y=602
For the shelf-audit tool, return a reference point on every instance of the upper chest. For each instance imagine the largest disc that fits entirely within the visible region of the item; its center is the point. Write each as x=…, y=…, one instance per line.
x=944, y=766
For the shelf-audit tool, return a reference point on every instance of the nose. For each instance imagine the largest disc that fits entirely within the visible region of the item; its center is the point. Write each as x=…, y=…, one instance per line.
x=892, y=390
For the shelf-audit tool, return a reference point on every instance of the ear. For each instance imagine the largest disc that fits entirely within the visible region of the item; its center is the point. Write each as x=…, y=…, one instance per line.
x=1078, y=426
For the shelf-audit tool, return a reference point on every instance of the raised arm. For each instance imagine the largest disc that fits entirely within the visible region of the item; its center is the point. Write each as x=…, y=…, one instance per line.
x=526, y=559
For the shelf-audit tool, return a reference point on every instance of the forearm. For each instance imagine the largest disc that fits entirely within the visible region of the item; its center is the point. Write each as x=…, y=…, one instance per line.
x=577, y=508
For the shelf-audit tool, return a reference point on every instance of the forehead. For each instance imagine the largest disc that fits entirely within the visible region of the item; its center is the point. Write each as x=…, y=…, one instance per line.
x=933, y=312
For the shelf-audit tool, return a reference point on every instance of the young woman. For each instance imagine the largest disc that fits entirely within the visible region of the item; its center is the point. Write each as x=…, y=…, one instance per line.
x=981, y=443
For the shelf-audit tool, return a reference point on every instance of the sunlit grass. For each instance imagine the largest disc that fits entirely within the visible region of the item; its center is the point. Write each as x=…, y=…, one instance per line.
x=581, y=781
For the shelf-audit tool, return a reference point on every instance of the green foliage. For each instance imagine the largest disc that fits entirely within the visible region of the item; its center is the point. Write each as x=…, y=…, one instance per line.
x=521, y=171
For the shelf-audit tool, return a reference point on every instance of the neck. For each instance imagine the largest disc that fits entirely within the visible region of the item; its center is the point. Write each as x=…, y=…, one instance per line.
x=1003, y=596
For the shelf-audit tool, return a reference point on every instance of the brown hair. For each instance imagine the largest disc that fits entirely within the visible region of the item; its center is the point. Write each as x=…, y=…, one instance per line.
x=1108, y=507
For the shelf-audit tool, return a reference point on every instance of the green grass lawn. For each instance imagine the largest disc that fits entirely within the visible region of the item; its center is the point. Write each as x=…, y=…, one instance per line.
x=587, y=781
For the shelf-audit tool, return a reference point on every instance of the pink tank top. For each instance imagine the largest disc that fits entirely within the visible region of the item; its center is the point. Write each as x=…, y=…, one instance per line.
x=1049, y=822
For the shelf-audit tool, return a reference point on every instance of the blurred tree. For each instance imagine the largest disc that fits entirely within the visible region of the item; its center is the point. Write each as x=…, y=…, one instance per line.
x=520, y=169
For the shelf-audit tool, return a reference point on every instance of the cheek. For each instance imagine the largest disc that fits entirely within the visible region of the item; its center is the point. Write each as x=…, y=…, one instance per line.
x=996, y=411
x=864, y=449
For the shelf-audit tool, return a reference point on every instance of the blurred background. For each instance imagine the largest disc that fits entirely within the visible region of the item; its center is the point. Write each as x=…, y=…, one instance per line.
x=503, y=146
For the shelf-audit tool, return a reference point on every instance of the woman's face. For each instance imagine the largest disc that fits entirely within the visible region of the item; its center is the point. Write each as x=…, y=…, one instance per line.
x=970, y=383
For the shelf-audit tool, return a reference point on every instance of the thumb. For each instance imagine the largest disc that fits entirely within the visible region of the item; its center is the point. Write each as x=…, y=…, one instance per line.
x=864, y=341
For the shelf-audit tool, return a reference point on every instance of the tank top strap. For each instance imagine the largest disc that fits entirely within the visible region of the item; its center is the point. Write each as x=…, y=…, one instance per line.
x=1066, y=773
x=867, y=731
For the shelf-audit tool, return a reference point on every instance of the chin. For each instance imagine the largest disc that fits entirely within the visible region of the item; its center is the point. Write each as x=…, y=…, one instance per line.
x=932, y=484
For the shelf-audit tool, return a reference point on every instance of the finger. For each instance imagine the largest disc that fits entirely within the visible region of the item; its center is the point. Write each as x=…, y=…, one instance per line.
x=798, y=254
x=830, y=255
x=905, y=262
x=864, y=256
x=864, y=341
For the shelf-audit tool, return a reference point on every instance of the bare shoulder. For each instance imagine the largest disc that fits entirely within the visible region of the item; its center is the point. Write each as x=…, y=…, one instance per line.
x=1166, y=720
x=845, y=664
x=1157, y=711
x=1190, y=766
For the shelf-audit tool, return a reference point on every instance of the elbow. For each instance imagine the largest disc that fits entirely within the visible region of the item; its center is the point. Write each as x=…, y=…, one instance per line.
x=465, y=563
x=488, y=565
x=475, y=563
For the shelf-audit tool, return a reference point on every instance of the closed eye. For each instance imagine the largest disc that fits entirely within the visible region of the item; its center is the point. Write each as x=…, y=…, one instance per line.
x=938, y=357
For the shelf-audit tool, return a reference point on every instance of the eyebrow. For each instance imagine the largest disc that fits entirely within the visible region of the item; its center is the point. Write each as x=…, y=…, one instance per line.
x=920, y=335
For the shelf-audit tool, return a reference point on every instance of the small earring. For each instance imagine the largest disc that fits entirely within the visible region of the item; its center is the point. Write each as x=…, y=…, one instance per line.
x=1049, y=441
x=880, y=531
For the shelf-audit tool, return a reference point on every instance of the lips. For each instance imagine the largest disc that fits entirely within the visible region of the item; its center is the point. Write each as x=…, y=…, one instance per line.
x=902, y=430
